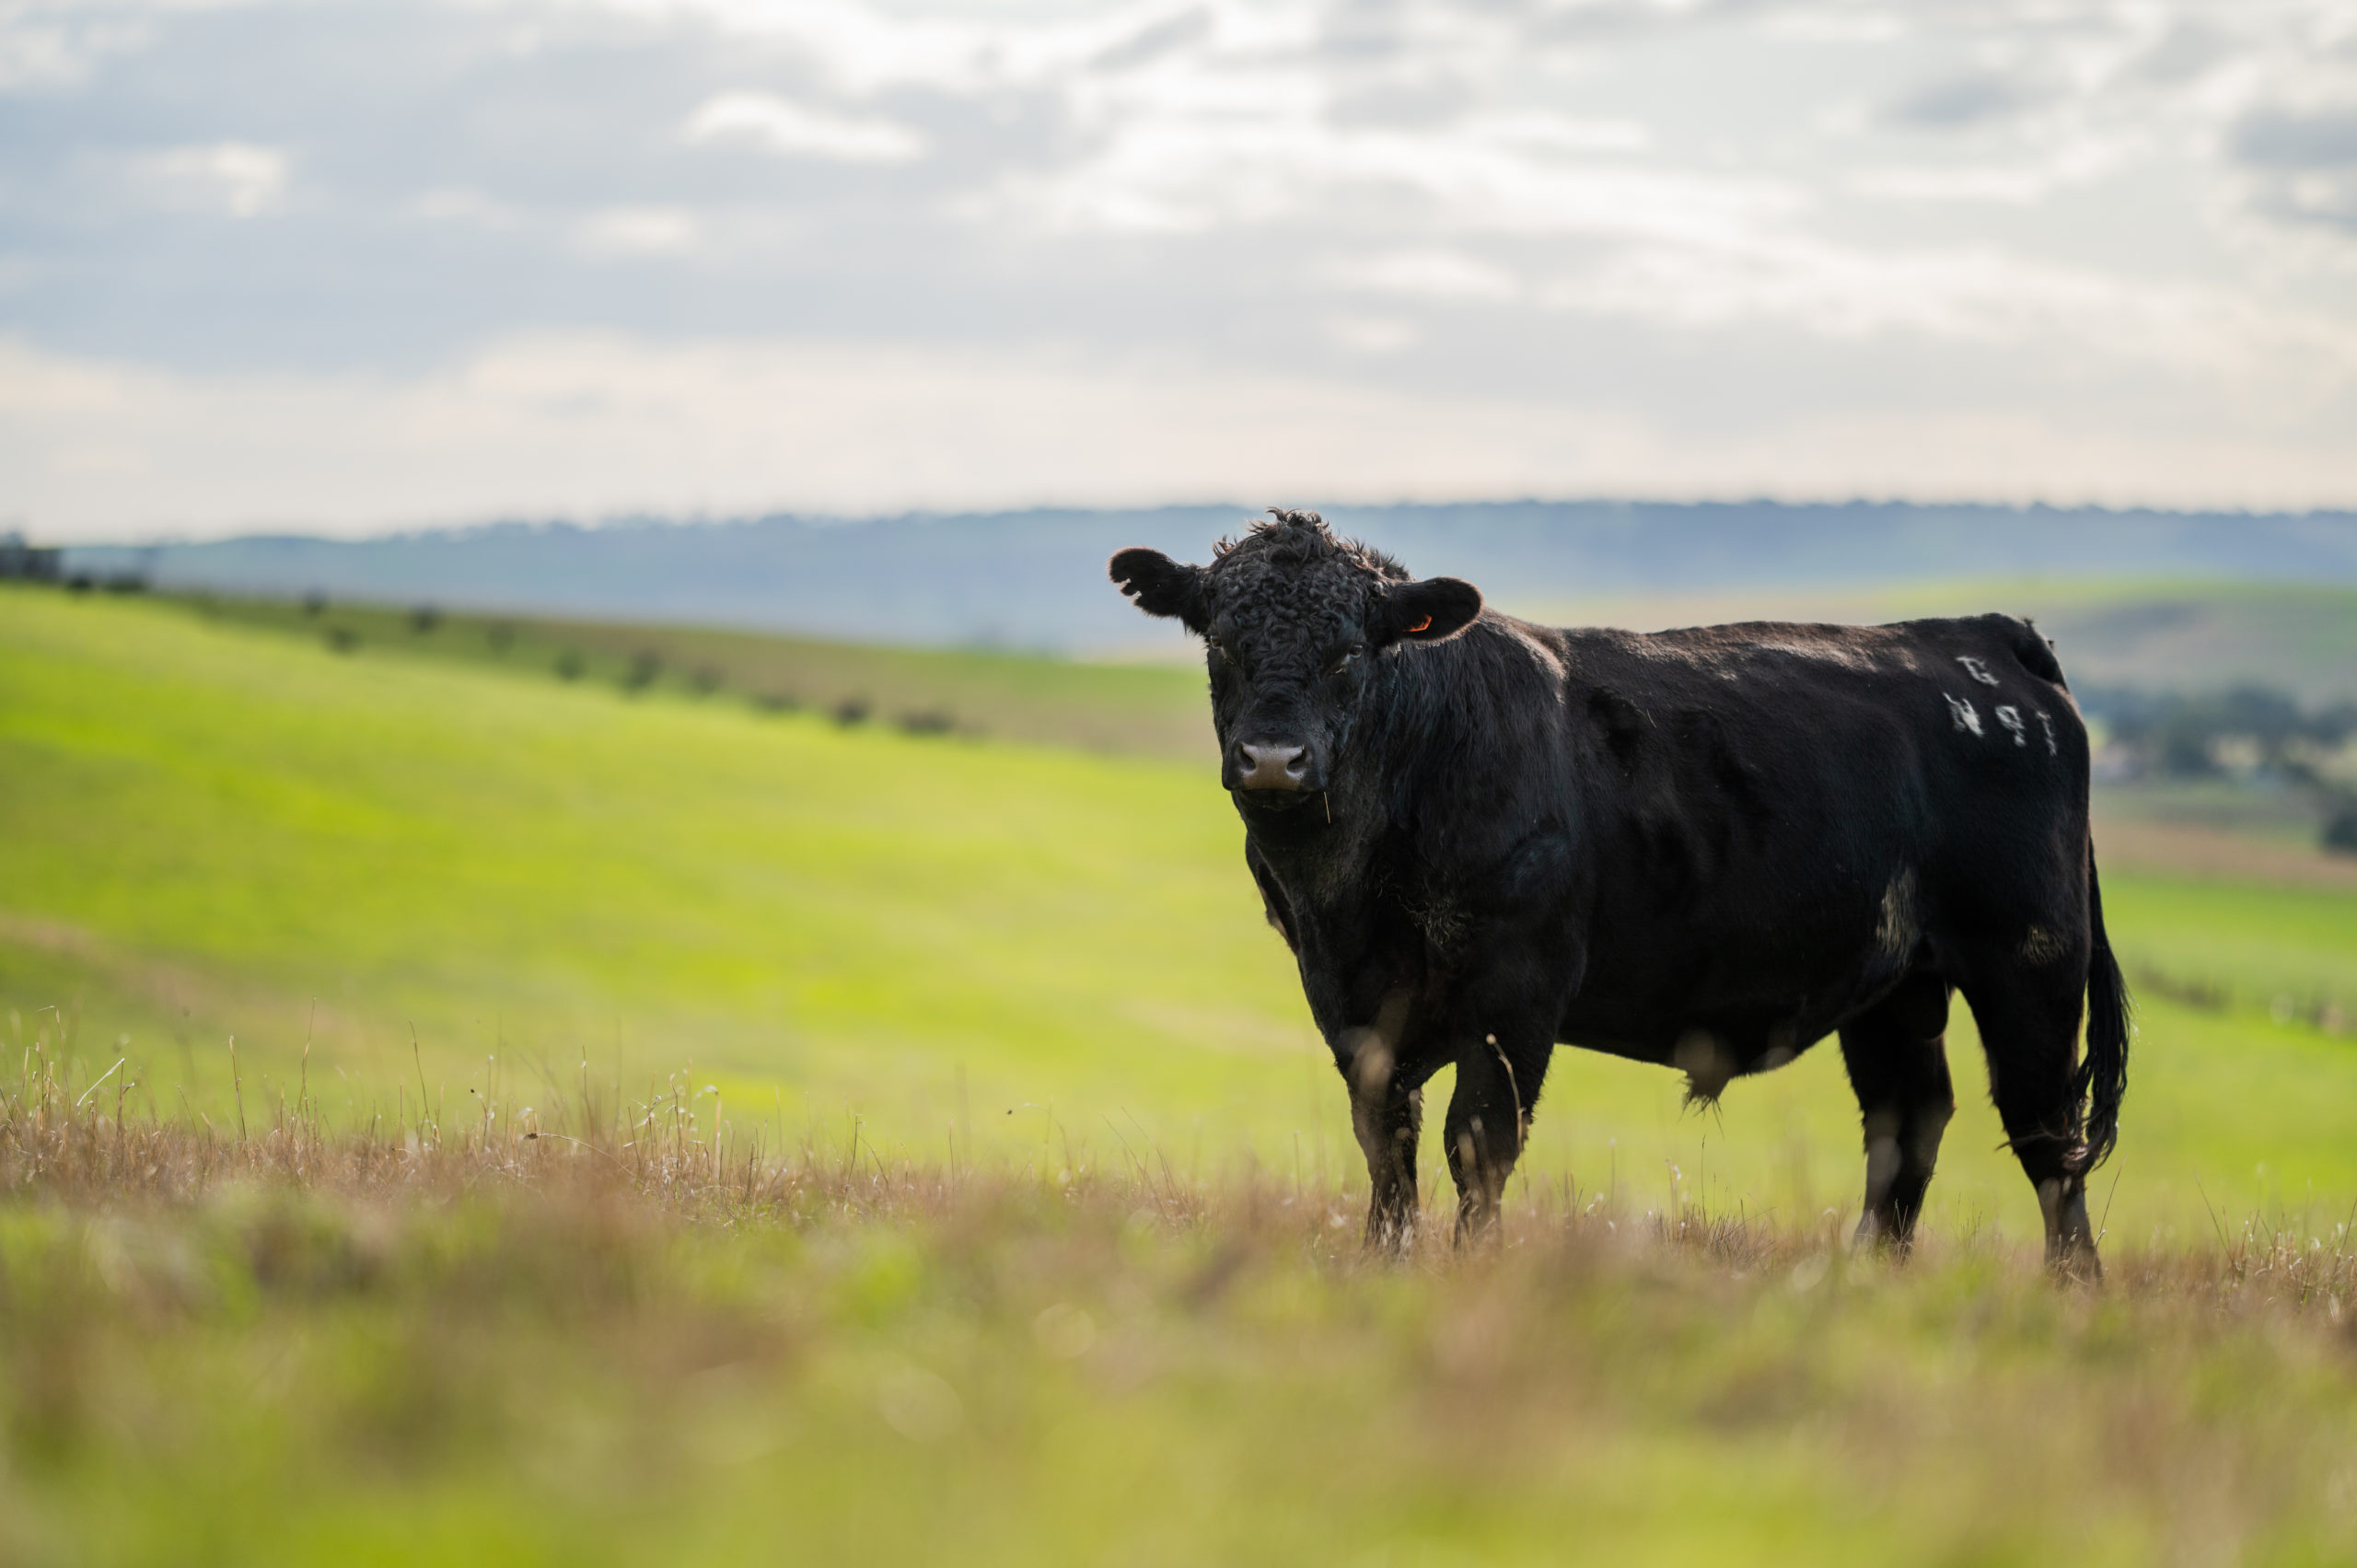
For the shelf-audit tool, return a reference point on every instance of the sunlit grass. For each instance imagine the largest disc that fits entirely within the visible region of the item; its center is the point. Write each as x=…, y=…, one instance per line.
x=1138, y=706
x=953, y=1176
x=601, y=1331
x=217, y=833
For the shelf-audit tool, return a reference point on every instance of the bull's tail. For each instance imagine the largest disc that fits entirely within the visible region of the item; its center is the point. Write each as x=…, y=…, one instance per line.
x=2103, y=1075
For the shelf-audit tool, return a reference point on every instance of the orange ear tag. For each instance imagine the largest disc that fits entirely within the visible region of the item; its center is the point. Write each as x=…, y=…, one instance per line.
x=1422, y=623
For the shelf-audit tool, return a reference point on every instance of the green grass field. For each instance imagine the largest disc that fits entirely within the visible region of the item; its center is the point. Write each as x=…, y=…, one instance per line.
x=1047, y=966
x=1154, y=708
x=218, y=833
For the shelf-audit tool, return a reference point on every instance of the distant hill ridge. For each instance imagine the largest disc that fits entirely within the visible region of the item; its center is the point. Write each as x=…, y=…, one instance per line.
x=1035, y=579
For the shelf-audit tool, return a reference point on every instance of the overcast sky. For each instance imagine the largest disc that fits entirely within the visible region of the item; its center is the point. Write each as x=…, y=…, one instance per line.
x=354, y=265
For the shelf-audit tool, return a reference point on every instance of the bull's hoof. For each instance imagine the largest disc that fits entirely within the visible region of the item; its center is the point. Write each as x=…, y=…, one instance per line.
x=2074, y=1263
x=1389, y=1239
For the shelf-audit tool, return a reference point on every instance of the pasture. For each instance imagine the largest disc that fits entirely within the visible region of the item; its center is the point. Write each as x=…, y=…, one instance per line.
x=1009, y=1207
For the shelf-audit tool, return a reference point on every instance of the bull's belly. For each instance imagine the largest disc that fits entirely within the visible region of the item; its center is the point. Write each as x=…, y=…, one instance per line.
x=1736, y=995
x=1651, y=1052
x=1717, y=1038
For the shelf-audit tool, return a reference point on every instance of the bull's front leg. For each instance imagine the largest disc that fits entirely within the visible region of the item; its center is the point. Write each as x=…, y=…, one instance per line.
x=1388, y=1114
x=1498, y=1079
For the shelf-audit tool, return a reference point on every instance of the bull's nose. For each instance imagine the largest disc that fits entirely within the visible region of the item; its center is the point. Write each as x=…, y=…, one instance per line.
x=1281, y=766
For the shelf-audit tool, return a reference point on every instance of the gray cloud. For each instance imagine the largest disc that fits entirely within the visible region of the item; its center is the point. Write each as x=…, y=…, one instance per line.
x=2277, y=138
x=1683, y=213
x=1156, y=40
x=1959, y=102
x=2186, y=54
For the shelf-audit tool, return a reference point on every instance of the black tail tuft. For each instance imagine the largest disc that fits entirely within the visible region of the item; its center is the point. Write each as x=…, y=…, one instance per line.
x=2103, y=1077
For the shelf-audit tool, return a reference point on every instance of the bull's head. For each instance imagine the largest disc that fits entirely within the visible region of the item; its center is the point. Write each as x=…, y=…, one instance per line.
x=1295, y=623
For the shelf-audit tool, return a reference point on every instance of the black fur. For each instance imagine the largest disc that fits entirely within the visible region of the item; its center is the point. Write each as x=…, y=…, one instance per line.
x=1159, y=585
x=2104, y=1074
x=1707, y=848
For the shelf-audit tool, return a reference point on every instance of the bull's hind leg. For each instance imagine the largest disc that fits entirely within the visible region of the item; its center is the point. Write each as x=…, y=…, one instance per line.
x=2028, y=1013
x=1896, y=1055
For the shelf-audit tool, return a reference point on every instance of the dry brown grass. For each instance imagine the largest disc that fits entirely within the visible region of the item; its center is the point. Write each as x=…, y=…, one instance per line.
x=624, y=1312
x=2183, y=849
x=675, y=1153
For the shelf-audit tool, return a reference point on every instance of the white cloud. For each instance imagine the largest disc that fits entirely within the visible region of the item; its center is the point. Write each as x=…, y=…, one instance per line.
x=1976, y=295
x=1450, y=276
x=463, y=204
x=45, y=49
x=1283, y=161
x=639, y=231
x=866, y=48
x=1543, y=131
x=2130, y=226
x=2021, y=183
x=793, y=130
x=238, y=177
x=1372, y=334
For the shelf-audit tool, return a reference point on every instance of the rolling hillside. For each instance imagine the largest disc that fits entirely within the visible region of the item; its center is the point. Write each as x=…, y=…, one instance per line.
x=221, y=830
x=1150, y=708
x=1035, y=579
x=2166, y=635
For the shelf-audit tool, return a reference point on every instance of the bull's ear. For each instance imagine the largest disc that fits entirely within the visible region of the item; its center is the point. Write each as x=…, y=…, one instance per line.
x=1428, y=610
x=1160, y=586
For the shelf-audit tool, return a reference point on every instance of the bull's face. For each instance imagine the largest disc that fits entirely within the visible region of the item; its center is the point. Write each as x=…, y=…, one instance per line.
x=1295, y=624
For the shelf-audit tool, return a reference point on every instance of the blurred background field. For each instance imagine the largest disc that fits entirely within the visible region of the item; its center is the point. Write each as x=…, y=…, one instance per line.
x=494, y=1088
x=985, y=901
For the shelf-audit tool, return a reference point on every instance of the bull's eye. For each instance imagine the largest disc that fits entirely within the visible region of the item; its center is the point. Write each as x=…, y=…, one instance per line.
x=1219, y=648
x=1343, y=660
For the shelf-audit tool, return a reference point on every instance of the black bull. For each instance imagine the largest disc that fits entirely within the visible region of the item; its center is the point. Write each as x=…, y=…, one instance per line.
x=1706, y=848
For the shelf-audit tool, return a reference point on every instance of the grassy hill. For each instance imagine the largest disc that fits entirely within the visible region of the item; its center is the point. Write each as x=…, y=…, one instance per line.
x=1058, y=1265
x=219, y=832
x=2173, y=635
x=233, y=825
x=1035, y=579
x=1155, y=708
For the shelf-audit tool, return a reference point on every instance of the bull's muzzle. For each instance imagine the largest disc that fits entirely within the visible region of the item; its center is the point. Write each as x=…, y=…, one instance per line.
x=1281, y=765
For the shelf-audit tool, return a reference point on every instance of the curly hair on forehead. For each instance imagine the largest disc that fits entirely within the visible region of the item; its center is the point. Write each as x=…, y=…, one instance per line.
x=1298, y=539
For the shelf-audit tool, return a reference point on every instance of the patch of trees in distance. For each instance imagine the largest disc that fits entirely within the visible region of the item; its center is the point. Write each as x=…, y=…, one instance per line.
x=633, y=672
x=2249, y=734
x=45, y=564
